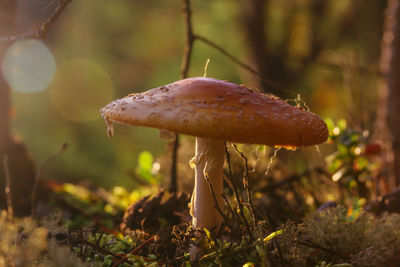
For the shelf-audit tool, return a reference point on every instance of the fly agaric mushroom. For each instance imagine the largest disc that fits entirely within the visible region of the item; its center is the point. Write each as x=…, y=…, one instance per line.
x=214, y=111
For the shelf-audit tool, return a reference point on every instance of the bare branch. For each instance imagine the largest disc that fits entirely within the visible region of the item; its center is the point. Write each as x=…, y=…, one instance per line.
x=236, y=60
x=43, y=30
x=216, y=203
x=246, y=183
x=135, y=250
x=187, y=54
x=189, y=38
x=238, y=199
x=173, y=185
x=312, y=244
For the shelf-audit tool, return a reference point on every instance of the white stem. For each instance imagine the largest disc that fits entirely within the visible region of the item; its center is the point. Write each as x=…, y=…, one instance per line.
x=208, y=161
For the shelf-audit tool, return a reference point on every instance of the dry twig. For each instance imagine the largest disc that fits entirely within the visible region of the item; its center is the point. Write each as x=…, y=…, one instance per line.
x=246, y=184
x=312, y=244
x=216, y=203
x=236, y=60
x=189, y=38
x=135, y=250
x=43, y=30
x=238, y=199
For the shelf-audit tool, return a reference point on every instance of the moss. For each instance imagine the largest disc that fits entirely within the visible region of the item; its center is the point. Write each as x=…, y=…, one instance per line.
x=325, y=238
x=332, y=237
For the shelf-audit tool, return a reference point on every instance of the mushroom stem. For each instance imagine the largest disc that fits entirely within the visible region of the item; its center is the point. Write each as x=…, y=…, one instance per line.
x=208, y=161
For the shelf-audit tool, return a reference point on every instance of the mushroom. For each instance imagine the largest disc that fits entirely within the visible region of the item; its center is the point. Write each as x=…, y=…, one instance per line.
x=214, y=111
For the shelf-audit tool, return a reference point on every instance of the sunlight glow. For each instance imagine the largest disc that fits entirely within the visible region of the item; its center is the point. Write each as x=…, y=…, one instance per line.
x=28, y=66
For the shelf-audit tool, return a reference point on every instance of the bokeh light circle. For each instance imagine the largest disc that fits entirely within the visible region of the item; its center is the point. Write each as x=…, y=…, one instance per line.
x=28, y=66
x=79, y=89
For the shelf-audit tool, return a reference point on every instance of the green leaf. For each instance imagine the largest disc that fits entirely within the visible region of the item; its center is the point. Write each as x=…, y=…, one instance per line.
x=342, y=124
x=335, y=165
x=145, y=160
x=330, y=124
x=209, y=241
x=144, y=167
x=361, y=163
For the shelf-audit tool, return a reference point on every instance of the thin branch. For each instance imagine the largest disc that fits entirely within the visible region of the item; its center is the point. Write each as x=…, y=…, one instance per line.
x=234, y=213
x=216, y=202
x=187, y=54
x=7, y=188
x=236, y=60
x=238, y=199
x=103, y=250
x=366, y=70
x=189, y=39
x=81, y=247
x=39, y=174
x=246, y=184
x=43, y=30
x=173, y=185
x=135, y=250
x=99, y=238
x=311, y=244
x=228, y=159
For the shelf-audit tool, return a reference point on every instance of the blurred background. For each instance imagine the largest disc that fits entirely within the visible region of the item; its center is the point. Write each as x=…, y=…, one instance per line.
x=327, y=51
x=61, y=61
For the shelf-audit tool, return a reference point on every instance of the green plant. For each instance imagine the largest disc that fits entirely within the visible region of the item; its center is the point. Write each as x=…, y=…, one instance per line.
x=351, y=164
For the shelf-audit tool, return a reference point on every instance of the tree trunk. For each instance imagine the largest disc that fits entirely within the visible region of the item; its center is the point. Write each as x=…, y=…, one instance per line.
x=7, y=21
x=20, y=165
x=254, y=27
x=387, y=124
x=277, y=75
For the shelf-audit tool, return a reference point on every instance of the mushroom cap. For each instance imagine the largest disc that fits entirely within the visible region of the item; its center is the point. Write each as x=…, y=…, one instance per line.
x=211, y=108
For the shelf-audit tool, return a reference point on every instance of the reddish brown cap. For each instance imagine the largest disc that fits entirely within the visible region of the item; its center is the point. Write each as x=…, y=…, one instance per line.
x=212, y=108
